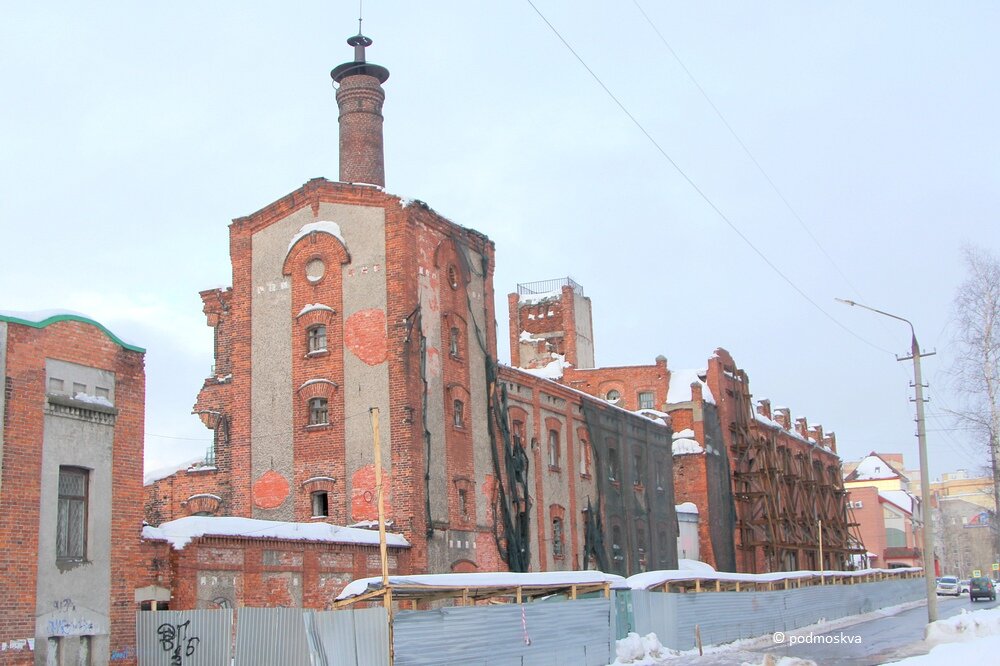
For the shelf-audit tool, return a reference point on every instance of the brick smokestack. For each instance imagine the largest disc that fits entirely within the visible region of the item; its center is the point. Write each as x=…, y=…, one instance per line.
x=360, y=97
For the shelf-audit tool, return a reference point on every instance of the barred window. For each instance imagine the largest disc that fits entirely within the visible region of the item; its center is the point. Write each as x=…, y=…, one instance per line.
x=71, y=522
x=646, y=400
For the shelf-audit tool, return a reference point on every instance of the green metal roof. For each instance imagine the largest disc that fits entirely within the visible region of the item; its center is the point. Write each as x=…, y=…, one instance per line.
x=55, y=318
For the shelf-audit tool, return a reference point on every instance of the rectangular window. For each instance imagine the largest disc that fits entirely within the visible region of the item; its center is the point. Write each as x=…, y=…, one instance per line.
x=584, y=458
x=553, y=448
x=79, y=388
x=55, y=385
x=459, y=414
x=71, y=521
x=102, y=392
x=463, y=502
x=320, y=504
x=612, y=464
x=318, y=412
x=646, y=400
x=638, y=469
x=453, y=343
x=317, y=338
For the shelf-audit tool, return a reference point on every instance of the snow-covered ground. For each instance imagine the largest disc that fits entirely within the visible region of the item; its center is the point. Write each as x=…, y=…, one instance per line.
x=970, y=637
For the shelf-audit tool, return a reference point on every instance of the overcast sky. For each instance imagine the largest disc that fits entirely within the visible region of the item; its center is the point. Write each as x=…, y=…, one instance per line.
x=132, y=133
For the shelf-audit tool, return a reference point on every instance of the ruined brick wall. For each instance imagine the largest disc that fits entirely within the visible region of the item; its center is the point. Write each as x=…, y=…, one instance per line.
x=195, y=491
x=220, y=572
x=628, y=381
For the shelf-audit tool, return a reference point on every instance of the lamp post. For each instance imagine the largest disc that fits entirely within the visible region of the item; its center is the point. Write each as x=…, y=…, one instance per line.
x=925, y=485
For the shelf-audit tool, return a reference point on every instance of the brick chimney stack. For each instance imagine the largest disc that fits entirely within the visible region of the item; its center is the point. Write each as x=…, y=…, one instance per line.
x=360, y=97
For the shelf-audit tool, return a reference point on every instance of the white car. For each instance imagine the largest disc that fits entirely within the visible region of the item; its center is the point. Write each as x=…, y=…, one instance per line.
x=949, y=585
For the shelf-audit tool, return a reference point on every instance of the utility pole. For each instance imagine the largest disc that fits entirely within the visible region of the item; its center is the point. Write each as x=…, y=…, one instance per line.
x=925, y=483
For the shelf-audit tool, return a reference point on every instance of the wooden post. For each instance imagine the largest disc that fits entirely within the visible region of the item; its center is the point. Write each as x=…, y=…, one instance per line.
x=382, y=547
x=697, y=584
x=822, y=567
x=697, y=639
x=519, y=594
x=572, y=591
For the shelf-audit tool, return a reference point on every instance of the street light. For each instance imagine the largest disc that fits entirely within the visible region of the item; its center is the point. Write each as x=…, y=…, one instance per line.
x=925, y=485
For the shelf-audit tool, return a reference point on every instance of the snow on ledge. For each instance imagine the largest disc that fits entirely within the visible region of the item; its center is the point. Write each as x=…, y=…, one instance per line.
x=179, y=533
x=687, y=433
x=653, y=579
x=322, y=226
x=487, y=579
x=687, y=507
x=310, y=307
x=154, y=475
x=554, y=369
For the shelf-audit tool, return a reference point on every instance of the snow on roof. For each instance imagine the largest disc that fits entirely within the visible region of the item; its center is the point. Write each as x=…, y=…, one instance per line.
x=532, y=299
x=180, y=532
x=654, y=415
x=652, y=579
x=154, y=475
x=680, y=386
x=553, y=370
x=687, y=433
x=528, y=337
x=873, y=467
x=687, y=507
x=42, y=318
x=682, y=447
x=900, y=498
x=774, y=425
x=322, y=226
x=487, y=579
x=93, y=399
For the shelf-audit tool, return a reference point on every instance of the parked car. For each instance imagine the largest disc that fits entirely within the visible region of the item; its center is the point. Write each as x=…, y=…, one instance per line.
x=982, y=588
x=949, y=585
x=964, y=585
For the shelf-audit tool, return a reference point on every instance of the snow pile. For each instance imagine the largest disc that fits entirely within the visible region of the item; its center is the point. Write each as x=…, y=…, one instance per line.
x=178, y=533
x=154, y=475
x=687, y=433
x=683, y=447
x=528, y=337
x=640, y=650
x=771, y=660
x=554, y=369
x=688, y=507
x=964, y=626
x=871, y=468
x=534, y=299
x=679, y=389
x=981, y=651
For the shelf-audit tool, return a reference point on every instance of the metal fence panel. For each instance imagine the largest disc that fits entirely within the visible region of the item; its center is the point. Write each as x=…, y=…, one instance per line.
x=535, y=633
x=673, y=616
x=191, y=638
x=268, y=636
x=350, y=637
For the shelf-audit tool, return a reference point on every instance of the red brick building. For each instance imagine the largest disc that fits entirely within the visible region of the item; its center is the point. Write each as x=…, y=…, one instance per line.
x=71, y=446
x=761, y=483
x=346, y=298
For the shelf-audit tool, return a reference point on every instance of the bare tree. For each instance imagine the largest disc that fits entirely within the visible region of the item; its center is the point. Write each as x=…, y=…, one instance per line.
x=977, y=358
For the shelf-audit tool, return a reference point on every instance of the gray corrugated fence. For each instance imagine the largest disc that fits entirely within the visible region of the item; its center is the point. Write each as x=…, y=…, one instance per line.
x=547, y=633
x=192, y=638
x=727, y=616
x=348, y=637
x=268, y=636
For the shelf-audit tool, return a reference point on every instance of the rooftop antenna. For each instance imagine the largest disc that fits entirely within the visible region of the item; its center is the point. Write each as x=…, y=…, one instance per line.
x=361, y=5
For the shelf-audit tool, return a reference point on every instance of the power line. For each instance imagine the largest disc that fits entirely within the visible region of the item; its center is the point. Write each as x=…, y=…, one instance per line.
x=695, y=186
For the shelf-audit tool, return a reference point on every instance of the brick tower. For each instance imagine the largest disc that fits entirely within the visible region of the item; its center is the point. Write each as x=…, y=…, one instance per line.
x=360, y=98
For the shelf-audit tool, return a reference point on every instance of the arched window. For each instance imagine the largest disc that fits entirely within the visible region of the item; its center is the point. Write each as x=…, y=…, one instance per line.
x=557, y=537
x=459, y=414
x=316, y=338
x=613, y=474
x=454, y=344
x=584, y=458
x=318, y=412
